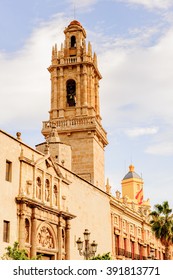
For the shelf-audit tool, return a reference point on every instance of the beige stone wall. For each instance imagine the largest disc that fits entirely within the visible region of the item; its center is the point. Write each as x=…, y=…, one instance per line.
x=9, y=150
x=87, y=156
x=91, y=206
x=99, y=167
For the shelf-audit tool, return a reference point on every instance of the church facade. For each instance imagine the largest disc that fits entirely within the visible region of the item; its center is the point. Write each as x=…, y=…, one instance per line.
x=51, y=194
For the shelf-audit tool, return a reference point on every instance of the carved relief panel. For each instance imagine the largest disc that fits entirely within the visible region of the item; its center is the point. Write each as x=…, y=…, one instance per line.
x=45, y=238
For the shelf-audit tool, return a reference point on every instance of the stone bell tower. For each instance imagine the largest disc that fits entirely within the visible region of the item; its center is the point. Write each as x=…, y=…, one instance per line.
x=75, y=108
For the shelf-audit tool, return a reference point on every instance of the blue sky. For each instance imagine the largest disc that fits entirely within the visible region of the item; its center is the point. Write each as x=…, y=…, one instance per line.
x=134, y=43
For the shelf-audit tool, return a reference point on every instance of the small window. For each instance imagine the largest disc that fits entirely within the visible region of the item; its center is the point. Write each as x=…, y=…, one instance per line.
x=6, y=231
x=139, y=232
x=116, y=220
x=131, y=229
x=71, y=92
x=8, y=175
x=73, y=42
x=124, y=224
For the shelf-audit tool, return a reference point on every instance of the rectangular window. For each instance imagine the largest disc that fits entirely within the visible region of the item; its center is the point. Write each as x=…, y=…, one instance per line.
x=132, y=249
x=117, y=244
x=131, y=229
x=6, y=231
x=139, y=232
x=8, y=175
x=116, y=220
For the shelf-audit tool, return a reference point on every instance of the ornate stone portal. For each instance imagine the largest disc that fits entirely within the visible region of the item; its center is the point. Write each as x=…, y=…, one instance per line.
x=43, y=223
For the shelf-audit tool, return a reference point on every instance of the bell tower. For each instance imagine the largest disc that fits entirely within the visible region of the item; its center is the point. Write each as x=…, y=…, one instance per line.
x=75, y=108
x=132, y=186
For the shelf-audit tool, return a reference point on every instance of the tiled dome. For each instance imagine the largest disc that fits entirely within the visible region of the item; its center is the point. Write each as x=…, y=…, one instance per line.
x=131, y=173
x=75, y=22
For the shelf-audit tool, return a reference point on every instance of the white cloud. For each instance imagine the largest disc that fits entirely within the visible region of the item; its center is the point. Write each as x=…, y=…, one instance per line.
x=141, y=131
x=161, y=149
x=151, y=4
x=138, y=83
x=25, y=83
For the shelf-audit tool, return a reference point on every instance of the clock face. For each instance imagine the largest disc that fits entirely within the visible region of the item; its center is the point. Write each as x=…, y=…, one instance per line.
x=71, y=92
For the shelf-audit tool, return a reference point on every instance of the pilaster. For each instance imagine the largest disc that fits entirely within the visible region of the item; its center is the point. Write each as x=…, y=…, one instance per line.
x=67, y=240
x=22, y=229
x=59, y=233
x=33, y=233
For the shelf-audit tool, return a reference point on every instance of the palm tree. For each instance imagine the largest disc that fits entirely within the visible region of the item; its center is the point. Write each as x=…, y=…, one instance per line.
x=162, y=225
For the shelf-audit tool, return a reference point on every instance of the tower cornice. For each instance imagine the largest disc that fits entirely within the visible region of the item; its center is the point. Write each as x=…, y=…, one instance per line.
x=85, y=124
x=67, y=64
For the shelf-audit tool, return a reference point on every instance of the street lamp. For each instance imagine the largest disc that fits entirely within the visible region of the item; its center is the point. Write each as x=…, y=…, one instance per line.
x=89, y=249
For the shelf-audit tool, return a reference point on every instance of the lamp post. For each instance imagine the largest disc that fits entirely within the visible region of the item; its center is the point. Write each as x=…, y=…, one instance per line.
x=89, y=248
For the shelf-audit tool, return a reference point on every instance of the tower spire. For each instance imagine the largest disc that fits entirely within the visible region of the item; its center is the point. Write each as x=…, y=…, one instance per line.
x=74, y=10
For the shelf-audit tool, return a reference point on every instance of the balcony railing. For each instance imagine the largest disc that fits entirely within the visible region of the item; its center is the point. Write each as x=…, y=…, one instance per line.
x=71, y=122
x=70, y=60
x=129, y=255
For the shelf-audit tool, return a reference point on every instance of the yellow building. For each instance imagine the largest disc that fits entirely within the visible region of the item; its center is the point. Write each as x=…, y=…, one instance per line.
x=131, y=232
x=51, y=194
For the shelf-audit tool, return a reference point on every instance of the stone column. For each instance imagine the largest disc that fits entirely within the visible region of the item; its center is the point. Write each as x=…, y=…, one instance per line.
x=136, y=249
x=43, y=188
x=128, y=249
x=85, y=101
x=54, y=100
x=113, y=235
x=22, y=230
x=33, y=234
x=59, y=231
x=59, y=194
x=85, y=89
x=51, y=191
x=92, y=85
x=20, y=178
x=67, y=240
x=34, y=183
x=97, y=102
x=78, y=92
x=144, y=251
x=121, y=246
x=62, y=91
